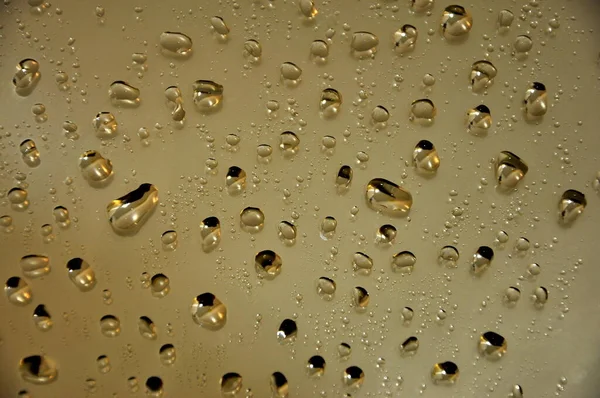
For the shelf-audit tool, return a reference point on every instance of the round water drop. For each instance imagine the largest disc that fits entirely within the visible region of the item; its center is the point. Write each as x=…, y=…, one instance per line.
x=103, y=363
x=407, y=314
x=328, y=143
x=353, y=376
x=253, y=49
x=124, y=95
x=479, y=120
x=536, y=101
x=38, y=369
x=425, y=157
x=509, y=169
x=404, y=262
x=492, y=345
x=482, y=259
x=26, y=77
x=105, y=125
x=133, y=384
x=263, y=152
x=456, y=22
x=307, y=8
x=331, y=102
x=96, y=169
x=290, y=73
x=17, y=291
x=522, y=244
x=130, y=212
x=110, y=326
x=147, y=328
x=428, y=80
x=287, y=331
x=231, y=384
x=175, y=44
x=540, y=296
x=81, y=274
x=448, y=256
x=208, y=311
x=319, y=51
x=30, y=153
x=70, y=130
x=343, y=179
x=235, y=180
x=523, y=44
x=386, y=234
x=35, y=265
x=160, y=285
x=385, y=196
x=326, y=288
x=482, y=75
x=410, y=346
x=169, y=240
x=505, y=19
x=516, y=392
x=344, y=350
x=252, y=220
x=445, y=373
x=364, y=44
x=154, y=387
x=279, y=385
x=512, y=295
x=42, y=319
x=534, y=269
x=405, y=39
x=419, y=6
x=287, y=233
x=219, y=25
x=328, y=227
x=362, y=264
x=18, y=199
x=502, y=237
x=380, y=116
x=210, y=232
x=208, y=95
x=360, y=298
x=232, y=140
x=315, y=366
x=268, y=264
x=422, y=112
x=572, y=203
x=167, y=354
x=61, y=216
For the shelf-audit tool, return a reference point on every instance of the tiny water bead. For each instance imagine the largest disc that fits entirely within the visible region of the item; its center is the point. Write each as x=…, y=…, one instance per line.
x=62, y=217
x=326, y=288
x=175, y=44
x=456, y=22
x=410, y=346
x=103, y=364
x=364, y=44
x=422, y=112
x=128, y=213
x=448, y=256
x=208, y=311
x=287, y=331
x=330, y=103
x=105, y=125
x=268, y=264
x=287, y=232
x=231, y=384
x=482, y=259
x=42, y=319
x=279, y=385
x=385, y=196
x=535, y=100
x=29, y=153
x=252, y=220
x=403, y=262
x=122, y=94
x=168, y=240
x=17, y=291
x=208, y=95
x=353, y=377
x=26, y=77
x=210, y=232
x=362, y=263
x=344, y=350
x=35, y=265
x=154, y=386
x=343, y=178
x=445, y=373
x=147, y=328
x=482, y=75
x=328, y=227
x=572, y=203
x=96, y=169
x=360, y=298
x=405, y=39
x=386, y=234
x=315, y=366
x=235, y=180
x=167, y=354
x=425, y=157
x=110, y=326
x=160, y=285
x=38, y=369
x=509, y=169
x=479, y=120
x=81, y=274
x=289, y=143
x=492, y=345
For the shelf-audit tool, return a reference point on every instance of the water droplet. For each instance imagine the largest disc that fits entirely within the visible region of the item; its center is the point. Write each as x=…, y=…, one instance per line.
x=407, y=314
x=448, y=256
x=176, y=44
x=133, y=384
x=410, y=346
x=30, y=153
x=404, y=262
x=343, y=179
x=534, y=269
x=482, y=75
x=264, y=151
x=387, y=197
x=380, y=116
x=522, y=244
x=492, y=345
x=405, y=39
x=428, y=80
x=268, y=264
x=103, y=363
x=61, y=216
x=536, y=101
x=353, y=376
x=175, y=103
x=512, y=295
x=364, y=44
x=386, y=235
x=18, y=199
x=96, y=169
x=360, y=298
x=319, y=51
x=307, y=8
x=169, y=240
x=35, y=265
x=210, y=231
x=235, y=180
x=219, y=25
x=425, y=157
x=540, y=296
x=444, y=373
x=110, y=326
x=290, y=73
x=571, y=205
x=24, y=394
x=479, y=120
x=482, y=259
x=328, y=226
x=208, y=311
x=326, y=288
x=422, y=112
x=81, y=274
x=231, y=384
x=70, y=130
x=420, y=6
x=167, y=354
x=105, y=125
x=362, y=264
x=208, y=95
x=315, y=366
x=160, y=285
x=26, y=77
x=456, y=22
x=17, y=291
x=253, y=49
x=505, y=18
x=502, y=237
x=523, y=44
x=510, y=169
x=128, y=213
x=287, y=233
x=516, y=392
x=252, y=220
x=279, y=385
x=287, y=331
x=38, y=369
x=123, y=94
x=344, y=350
x=154, y=387
x=147, y=328
x=331, y=101
x=42, y=319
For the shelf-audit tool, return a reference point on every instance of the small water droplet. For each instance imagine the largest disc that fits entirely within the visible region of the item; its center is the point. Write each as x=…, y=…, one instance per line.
x=387, y=197
x=315, y=366
x=253, y=49
x=268, y=264
x=175, y=44
x=38, y=369
x=287, y=233
x=175, y=103
x=96, y=169
x=210, y=231
x=319, y=51
x=307, y=8
x=287, y=331
x=344, y=350
x=219, y=25
x=386, y=234
x=30, y=153
x=235, y=180
x=61, y=216
x=516, y=392
x=326, y=288
x=103, y=363
x=536, y=101
x=290, y=73
x=35, y=265
x=17, y=291
x=123, y=94
x=540, y=296
x=422, y=112
x=353, y=376
x=154, y=387
x=482, y=75
x=380, y=116
x=444, y=373
x=362, y=264
x=425, y=157
x=407, y=314
x=169, y=240
x=405, y=39
x=448, y=256
x=492, y=345
x=208, y=95
x=456, y=22
x=512, y=295
x=147, y=328
x=110, y=326
x=105, y=125
x=18, y=199
x=522, y=244
x=70, y=130
x=343, y=179
x=279, y=385
x=209, y=312
x=252, y=220
x=231, y=384
x=328, y=227
x=534, y=269
x=264, y=151
x=523, y=44
x=360, y=298
x=128, y=213
x=160, y=285
x=81, y=274
x=167, y=354
x=42, y=319
x=410, y=346
x=331, y=102
x=510, y=169
x=26, y=77
x=505, y=18
x=571, y=205
x=479, y=120
x=482, y=259
x=404, y=262
x=364, y=44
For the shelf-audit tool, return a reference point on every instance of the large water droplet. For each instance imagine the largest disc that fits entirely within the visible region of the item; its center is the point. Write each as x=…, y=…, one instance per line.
x=380, y=116
x=160, y=285
x=492, y=345
x=30, y=153
x=17, y=291
x=448, y=256
x=482, y=259
x=147, y=328
x=154, y=387
x=410, y=346
x=175, y=44
x=540, y=296
x=405, y=39
x=479, y=120
x=287, y=331
x=175, y=103
x=571, y=205
x=386, y=235
x=536, y=101
x=123, y=94
x=96, y=169
x=407, y=314
x=252, y=220
x=331, y=101
x=26, y=77
x=510, y=169
x=422, y=112
x=445, y=373
x=110, y=326
x=523, y=44
x=35, y=265
x=319, y=51
x=61, y=216
x=362, y=264
x=328, y=227
x=208, y=311
x=364, y=44
x=482, y=75
x=360, y=298
x=81, y=274
x=505, y=19
x=344, y=350
x=287, y=233
x=404, y=262
x=425, y=157
x=42, y=319
x=38, y=369
x=290, y=73
x=128, y=213
x=268, y=264
x=208, y=95
x=210, y=231
x=343, y=179
x=231, y=384
x=456, y=22
x=387, y=197
x=105, y=125
x=18, y=199
x=235, y=180
x=516, y=392
x=326, y=288
x=315, y=366
x=167, y=354
x=353, y=376
x=253, y=49
x=279, y=385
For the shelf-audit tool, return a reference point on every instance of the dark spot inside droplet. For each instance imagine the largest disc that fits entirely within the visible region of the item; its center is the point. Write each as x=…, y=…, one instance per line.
x=211, y=222
x=317, y=362
x=279, y=379
x=486, y=252
x=33, y=364
x=13, y=282
x=354, y=372
x=136, y=194
x=154, y=383
x=515, y=288
x=288, y=327
x=483, y=109
x=449, y=368
x=40, y=310
x=539, y=86
x=158, y=277
x=426, y=145
x=206, y=299
x=75, y=264
x=234, y=172
x=494, y=338
x=575, y=196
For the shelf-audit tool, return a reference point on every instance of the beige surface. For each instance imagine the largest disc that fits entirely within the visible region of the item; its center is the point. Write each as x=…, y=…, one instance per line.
x=542, y=347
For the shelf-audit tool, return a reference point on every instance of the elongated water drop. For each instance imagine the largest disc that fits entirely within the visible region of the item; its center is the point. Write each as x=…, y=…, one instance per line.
x=219, y=25
x=326, y=288
x=38, y=369
x=96, y=169
x=364, y=44
x=26, y=77
x=410, y=346
x=279, y=385
x=235, y=180
x=103, y=364
x=210, y=232
x=231, y=384
x=208, y=311
x=362, y=264
x=287, y=233
x=343, y=179
x=328, y=227
x=175, y=103
x=123, y=94
x=167, y=354
x=30, y=153
x=535, y=101
x=571, y=205
x=510, y=169
x=360, y=298
x=387, y=197
x=128, y=213
x=35, y=265
x=290, y=73
x=175, y=44
x=403, y=262
x=147, y=328
x=253, y=50
x=208, y=95
x=331, y=102
x=307, y=8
